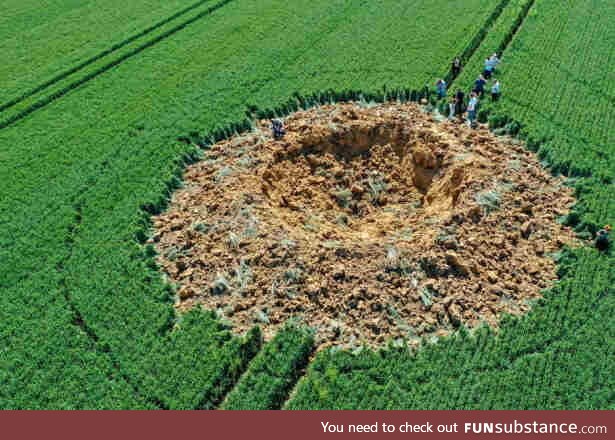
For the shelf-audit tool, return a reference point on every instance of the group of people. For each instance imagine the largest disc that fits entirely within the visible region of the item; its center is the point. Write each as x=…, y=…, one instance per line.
x=479, y=85
x=457, y=108
x=457, y=105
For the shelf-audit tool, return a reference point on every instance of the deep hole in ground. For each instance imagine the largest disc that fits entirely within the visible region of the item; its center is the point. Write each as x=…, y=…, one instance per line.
x=367, y=222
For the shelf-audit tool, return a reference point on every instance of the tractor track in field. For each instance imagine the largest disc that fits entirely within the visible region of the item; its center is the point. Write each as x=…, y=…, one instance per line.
x=516, y=26
x=478, y=39
x=46, y=100
x=114, y=48
x=293, y=387
x=97, y=344
x=508, y=37
x=78, y=319
x=503, y=43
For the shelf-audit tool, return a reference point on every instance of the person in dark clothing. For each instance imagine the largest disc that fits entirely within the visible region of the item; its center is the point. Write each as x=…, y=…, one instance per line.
x=277, y=127
x=602, y=238
x=459, y=103
x=456, y=67
x=479, y=85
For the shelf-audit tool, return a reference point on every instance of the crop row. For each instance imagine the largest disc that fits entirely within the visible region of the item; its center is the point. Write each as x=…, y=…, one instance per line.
x=272, y=373
x=483, y=32
x=556, y=91
x=82, y=34
x=110, y=149
x=66, y=81
x=496, y=40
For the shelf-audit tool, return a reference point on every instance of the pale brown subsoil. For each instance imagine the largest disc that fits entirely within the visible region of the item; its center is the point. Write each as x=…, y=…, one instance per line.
x=367, y=223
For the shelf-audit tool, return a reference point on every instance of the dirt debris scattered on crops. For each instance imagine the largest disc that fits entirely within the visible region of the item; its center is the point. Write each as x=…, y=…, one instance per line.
x=369, y=223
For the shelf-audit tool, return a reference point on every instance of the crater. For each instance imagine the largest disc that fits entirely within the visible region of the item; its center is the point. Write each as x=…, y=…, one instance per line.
x=368, y=223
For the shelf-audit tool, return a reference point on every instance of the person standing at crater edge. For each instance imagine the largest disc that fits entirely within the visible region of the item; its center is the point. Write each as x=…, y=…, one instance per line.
x=277, y=128
x=602, y=238
x=472, y=106
x=459, y=103
x=441, y=88
x=452, y=108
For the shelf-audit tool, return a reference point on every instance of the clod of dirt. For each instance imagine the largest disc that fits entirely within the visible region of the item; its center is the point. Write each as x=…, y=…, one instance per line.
x=365, y=222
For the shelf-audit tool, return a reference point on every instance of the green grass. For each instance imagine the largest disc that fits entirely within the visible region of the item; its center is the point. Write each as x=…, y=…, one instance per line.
x=46, y=361
x=273, y=372
x=75, y=75
x=40, y=43
x=559, y=92
x=78, y=173
x=86, y=320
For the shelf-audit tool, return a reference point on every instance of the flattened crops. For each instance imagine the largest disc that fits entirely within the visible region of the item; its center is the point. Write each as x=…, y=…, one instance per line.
x=104, y=105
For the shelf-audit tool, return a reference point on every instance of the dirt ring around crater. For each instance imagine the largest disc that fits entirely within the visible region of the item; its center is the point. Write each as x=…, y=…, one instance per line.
x=367, y=223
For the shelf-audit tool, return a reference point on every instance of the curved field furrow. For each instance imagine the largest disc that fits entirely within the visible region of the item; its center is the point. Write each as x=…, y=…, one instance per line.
x=183, y=84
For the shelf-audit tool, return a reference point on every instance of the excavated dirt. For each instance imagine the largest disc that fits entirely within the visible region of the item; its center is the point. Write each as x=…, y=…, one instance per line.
x=367, y=223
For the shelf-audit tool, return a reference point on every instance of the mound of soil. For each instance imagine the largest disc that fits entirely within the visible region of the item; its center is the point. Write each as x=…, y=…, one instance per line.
x=365, y=222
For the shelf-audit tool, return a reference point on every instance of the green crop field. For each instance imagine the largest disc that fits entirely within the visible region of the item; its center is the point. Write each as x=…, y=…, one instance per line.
x=103, y=103
x=42, y=47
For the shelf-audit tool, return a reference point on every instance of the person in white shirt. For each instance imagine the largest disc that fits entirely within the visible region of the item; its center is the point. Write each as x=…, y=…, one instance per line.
x=488, y=68
x=472, y=106
x=494, y=61
x=495, y=91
